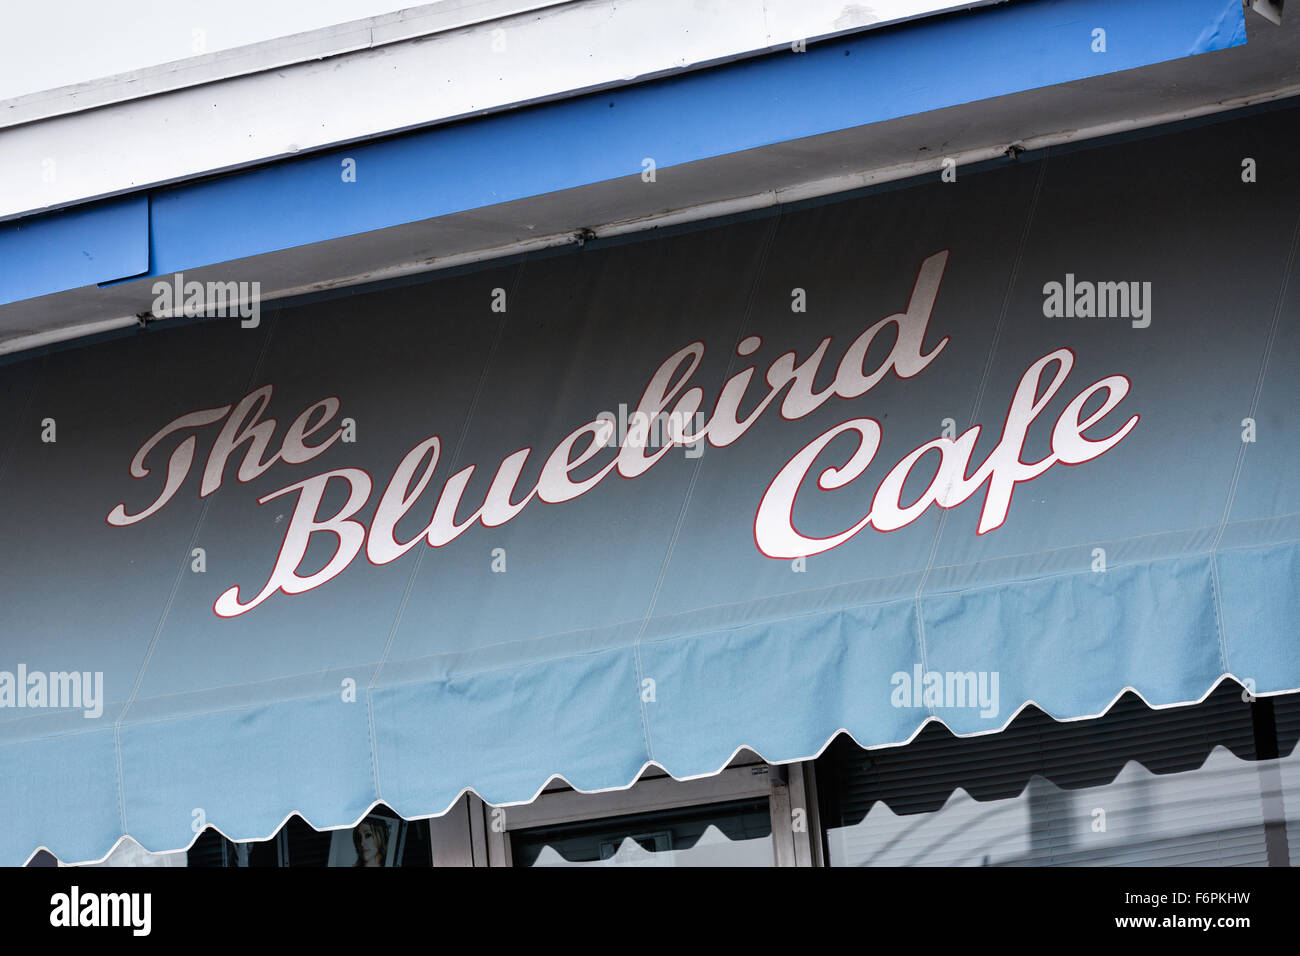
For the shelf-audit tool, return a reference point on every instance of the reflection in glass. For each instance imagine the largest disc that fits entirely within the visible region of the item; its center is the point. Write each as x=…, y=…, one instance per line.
x=1212, y=815
x=722, y=834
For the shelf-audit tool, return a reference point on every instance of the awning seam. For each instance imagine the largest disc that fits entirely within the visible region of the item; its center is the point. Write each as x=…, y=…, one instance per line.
x=577, y=655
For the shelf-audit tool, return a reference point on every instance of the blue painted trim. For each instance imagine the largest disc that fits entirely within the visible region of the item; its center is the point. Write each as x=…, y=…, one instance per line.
x=80, y=247
x=854, y=81
x=1030, y=156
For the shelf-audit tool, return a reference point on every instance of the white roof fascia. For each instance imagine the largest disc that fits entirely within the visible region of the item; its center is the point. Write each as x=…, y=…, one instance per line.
x=415, y=68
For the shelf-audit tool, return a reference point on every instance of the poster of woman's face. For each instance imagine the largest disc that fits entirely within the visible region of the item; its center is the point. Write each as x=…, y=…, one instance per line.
x=372, y=842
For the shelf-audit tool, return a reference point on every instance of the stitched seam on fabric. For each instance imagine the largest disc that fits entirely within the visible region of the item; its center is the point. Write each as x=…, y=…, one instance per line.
x=768, y=240
x=420, y=552
x=717, y=631
x=1216, y=604
x=883, y=602
x=12, y=448
x=171, y=597
x=1287, y=268
x=975, y=404
x=970, y=564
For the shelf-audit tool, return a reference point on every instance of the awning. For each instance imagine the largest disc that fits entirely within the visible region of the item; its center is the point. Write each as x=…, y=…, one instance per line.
x=1030, y=435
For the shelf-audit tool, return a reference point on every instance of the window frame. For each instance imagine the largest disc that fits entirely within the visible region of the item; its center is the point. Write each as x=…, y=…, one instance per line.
x=474, y=833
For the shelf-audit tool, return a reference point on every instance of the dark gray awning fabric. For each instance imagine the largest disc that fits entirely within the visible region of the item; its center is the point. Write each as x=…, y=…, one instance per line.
x=1126, y=516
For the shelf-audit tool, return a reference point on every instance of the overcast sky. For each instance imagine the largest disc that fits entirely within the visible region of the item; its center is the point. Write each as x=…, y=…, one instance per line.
x=50, y=43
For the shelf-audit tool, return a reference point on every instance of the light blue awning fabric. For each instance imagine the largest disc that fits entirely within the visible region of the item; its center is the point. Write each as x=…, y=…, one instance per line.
x=639, y=621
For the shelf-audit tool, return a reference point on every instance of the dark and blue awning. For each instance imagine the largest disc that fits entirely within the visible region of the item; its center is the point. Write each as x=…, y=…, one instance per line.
x=1026, y=436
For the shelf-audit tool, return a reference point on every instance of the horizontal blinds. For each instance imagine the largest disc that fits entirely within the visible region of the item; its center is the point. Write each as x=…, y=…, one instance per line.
x=1136, y=786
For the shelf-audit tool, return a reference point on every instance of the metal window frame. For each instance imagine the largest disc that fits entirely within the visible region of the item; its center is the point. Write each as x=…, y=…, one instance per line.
x=1273, y=795
x=474, y=833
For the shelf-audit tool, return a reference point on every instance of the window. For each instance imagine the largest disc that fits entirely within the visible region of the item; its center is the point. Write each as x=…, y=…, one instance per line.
x=382, y=838
x=737, y=833
x=1205, y=784
x=750, y=814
